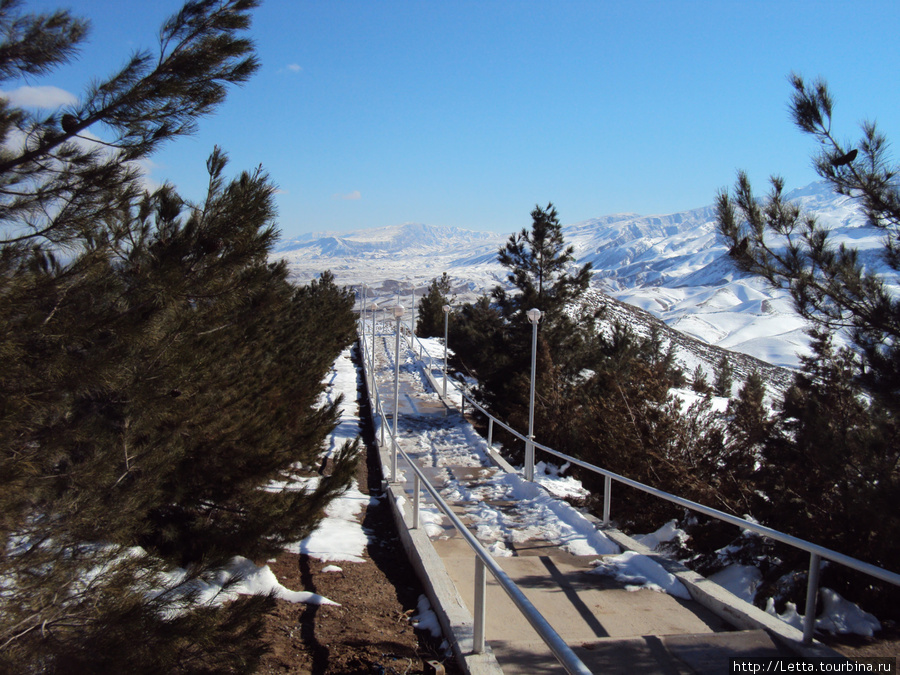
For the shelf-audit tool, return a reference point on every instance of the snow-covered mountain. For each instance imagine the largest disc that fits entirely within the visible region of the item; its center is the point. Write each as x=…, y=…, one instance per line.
x=673, y=266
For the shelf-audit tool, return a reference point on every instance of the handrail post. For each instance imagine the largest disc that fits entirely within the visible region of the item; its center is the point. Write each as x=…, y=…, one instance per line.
x=416, y=487
x=491, y=433
x=812, y=590
x=529, y=458
x=607, y=498
x=479, y=614
x=398, y=314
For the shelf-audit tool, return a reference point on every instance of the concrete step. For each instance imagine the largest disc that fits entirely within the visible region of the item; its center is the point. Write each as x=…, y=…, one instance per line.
x=705, y=653
x=581, y=607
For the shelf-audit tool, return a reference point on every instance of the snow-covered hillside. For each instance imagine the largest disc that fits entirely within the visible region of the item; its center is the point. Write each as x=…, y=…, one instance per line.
x=673, y=266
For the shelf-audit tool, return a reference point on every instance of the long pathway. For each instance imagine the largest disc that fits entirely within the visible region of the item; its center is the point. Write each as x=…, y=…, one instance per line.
x=548, y=548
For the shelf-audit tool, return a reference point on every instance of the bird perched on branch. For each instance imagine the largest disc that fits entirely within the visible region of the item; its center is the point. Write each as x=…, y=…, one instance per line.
x=69, y=123
x=844, y=159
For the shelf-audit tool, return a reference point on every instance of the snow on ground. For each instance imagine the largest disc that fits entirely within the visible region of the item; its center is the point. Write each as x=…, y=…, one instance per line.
x=742, y=580
x=837, y=616
x=240, y=577
x=341, y=381
x=551, y=478
x=538, y=513
x=340, y=537
x=425, y=618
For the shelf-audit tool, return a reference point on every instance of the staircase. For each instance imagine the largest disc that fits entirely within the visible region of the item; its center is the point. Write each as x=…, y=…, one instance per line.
x=610, y=627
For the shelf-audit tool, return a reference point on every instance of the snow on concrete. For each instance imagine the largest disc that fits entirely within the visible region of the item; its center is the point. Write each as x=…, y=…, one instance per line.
x=638, y=571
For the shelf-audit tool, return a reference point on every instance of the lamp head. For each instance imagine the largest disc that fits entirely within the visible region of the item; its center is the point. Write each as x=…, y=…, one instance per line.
x=446, y=309
x=534, y=315
x=397, y=311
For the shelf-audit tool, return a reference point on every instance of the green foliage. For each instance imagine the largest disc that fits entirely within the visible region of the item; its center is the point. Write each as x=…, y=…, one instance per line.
x=829, y=462
x=492, y=341
x=750, y=423
x=538, y=262
x=829, y=284
x=161, y=372
x=828, y=468
x=724, y=378
x=430, y=317
x=699, y=382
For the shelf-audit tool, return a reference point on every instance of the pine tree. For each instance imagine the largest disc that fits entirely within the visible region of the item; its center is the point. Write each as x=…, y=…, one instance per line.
x=749, y=415
x=829, y=284
x=162, y=372
x=538, y=262
x=430, y=321
x=724, y=378
x=831, y=465
x=698, y=380
x=539, y=267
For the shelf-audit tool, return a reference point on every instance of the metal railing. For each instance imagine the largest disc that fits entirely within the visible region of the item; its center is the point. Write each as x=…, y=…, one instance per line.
x=484, y=561
x=817, y=553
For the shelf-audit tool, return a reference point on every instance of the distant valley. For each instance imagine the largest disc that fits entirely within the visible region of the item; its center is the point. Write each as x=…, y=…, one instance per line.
x=673, y=266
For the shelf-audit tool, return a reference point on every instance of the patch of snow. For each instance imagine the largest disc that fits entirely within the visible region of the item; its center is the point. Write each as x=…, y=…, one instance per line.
x=551, y=478
x=638, y=571
x=742, y=580
x=838, y=615
x=842, y=616
x=425, y=618
x=668, y=532
x=241, y=577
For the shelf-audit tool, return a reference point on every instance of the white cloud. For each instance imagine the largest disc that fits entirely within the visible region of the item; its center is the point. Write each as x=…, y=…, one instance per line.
x=352, y=196
x=39, y=97
x=294, y=68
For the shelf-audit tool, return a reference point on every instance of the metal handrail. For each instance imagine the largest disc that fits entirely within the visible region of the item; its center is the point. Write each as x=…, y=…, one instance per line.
x=816, y=551
x=563, y=653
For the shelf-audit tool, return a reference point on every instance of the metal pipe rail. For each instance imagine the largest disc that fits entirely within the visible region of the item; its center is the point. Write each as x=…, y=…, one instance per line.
x=483, y=560
x=817, y=552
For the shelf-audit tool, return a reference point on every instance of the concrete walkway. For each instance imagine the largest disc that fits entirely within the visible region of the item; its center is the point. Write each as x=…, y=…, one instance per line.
x=611, y=629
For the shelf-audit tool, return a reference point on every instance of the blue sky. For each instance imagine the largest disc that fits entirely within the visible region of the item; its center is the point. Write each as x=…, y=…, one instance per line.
x=467, y=114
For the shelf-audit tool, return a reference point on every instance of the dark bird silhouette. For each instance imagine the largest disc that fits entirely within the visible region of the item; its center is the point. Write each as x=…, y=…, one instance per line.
x=69, y=123
x=739, y=248
x=844, y=159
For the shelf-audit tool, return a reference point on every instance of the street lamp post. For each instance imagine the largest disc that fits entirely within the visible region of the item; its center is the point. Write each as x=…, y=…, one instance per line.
x=446, y=309
x=398, y=313
x=363, y=313
x=534, y=316
x=372, y=368
x=412, y=319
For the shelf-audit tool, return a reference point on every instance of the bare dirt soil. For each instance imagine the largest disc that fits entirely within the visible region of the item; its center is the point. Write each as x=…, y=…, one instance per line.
x=886, y=643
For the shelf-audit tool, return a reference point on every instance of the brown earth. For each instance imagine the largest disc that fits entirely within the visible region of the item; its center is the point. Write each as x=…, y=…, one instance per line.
x=886, y=643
